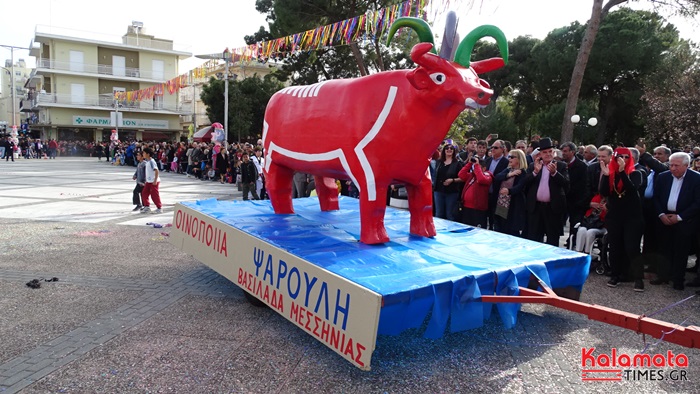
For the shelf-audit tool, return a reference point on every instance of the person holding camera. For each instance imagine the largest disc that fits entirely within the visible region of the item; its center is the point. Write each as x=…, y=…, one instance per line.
x=474, y=198
x=620, y=184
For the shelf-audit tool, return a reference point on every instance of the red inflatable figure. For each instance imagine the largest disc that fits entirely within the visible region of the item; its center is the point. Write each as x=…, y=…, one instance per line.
x=375, y=130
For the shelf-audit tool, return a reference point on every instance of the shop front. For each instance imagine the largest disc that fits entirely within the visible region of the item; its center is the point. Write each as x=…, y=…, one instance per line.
x=75, y=134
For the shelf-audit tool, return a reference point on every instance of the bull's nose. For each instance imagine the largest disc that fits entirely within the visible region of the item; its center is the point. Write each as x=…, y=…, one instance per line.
x=470, y=103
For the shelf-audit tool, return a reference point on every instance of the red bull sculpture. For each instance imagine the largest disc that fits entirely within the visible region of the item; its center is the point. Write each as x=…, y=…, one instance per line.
x=375, y=130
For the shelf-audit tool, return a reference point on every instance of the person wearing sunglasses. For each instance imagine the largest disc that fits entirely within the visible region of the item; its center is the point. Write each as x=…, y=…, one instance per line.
x=620, y=184
x=496, y=163
x=510, y=214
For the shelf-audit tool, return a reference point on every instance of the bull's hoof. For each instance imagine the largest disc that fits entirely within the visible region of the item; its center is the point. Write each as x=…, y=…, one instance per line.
x=284, y=211
x=283, y=207
x=374, y=239
x=425, y=230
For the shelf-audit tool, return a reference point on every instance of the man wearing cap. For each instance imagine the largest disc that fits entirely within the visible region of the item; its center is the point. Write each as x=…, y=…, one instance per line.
x=496, y=163
x=547, y=182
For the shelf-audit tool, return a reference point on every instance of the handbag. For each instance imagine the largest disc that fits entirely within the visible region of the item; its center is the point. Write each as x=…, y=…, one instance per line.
x=593, y=220
x=460, y=202
x=503, y=200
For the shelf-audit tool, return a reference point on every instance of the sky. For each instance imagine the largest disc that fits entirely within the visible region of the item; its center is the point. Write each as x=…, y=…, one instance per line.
x=209, y=26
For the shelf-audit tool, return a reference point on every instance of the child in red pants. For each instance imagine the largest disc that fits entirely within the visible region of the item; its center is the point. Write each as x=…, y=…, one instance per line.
x=150, y=189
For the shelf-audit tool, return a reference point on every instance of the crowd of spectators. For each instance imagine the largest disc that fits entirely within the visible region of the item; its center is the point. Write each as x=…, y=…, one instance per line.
x=36, y=148
x=643, y=202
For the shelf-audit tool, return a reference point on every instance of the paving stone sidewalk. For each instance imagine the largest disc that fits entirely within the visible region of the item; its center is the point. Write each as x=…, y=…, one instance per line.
x=130, y=313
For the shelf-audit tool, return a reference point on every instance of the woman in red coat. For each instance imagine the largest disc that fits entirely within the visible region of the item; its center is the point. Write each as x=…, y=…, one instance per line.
x=475, y=195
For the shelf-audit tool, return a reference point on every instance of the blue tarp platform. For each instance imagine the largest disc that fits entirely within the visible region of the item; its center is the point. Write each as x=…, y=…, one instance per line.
x=441, y=278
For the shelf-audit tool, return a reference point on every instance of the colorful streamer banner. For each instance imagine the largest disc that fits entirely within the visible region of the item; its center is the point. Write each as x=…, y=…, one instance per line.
x=369, y=26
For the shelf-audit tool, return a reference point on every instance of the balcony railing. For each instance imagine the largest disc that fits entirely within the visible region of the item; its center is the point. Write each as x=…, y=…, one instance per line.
x=101, y=69
x=105, y=101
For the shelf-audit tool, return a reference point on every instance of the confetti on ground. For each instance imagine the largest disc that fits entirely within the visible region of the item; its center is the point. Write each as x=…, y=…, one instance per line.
x=93, y=233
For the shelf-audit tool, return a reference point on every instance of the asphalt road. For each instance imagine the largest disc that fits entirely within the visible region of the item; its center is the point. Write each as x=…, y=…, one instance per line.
x=131, y=314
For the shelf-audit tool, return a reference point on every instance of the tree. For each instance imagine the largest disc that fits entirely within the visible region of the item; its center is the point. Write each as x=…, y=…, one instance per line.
x=598, y=13
x=480, y=124
x=248, y=99
x=286, y=17
x=672, y=98
x=630, y=46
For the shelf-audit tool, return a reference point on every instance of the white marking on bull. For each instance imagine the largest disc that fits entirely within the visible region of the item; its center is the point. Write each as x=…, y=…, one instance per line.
x=359, y=149
x=303, y=91
x=317, y=88
x=338, y=153
x=307, y=91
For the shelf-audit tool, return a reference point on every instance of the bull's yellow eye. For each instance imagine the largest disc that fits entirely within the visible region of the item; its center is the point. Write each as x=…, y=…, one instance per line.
x=438, y=78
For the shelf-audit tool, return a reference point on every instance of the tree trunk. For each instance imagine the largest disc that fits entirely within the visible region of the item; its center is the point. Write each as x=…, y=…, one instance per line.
x=358, y=58
x=597, y=14
x=380, y=61
x=355, y=50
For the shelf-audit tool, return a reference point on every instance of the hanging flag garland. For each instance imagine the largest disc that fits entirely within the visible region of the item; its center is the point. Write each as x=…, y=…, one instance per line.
x=369, y=26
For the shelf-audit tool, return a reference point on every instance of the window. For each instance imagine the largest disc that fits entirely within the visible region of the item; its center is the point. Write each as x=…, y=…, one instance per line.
x=77, y=93
x=158, y=69
x=77, y=61
x=158, y=101
x=118, y=66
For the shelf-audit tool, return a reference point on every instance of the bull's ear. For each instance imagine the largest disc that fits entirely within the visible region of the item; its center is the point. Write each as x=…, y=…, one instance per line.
x=419, y=78
x=486, y=65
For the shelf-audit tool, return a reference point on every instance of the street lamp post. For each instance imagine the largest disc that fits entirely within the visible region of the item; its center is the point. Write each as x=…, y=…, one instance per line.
x=575, y=119
x=227, y=58
x=194, y=106
x=12, y=96
x=14, y=99
x=592, y=121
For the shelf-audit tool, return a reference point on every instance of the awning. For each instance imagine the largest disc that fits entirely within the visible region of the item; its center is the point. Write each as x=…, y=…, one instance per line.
x=203, y=135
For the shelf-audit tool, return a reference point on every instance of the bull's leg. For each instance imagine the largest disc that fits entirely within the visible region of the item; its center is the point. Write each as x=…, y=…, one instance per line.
x=278, y=181
x=372, y=229
x=327, y=191
x=420, y=205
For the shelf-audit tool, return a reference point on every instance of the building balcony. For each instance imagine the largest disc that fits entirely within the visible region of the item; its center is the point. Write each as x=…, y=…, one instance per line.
x=103, y=102
x=26, y=106
x=125, y=73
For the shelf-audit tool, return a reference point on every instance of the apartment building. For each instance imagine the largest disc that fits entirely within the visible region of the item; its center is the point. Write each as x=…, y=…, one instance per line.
x=191, y=101
x=9, y=113
x=72, y=89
